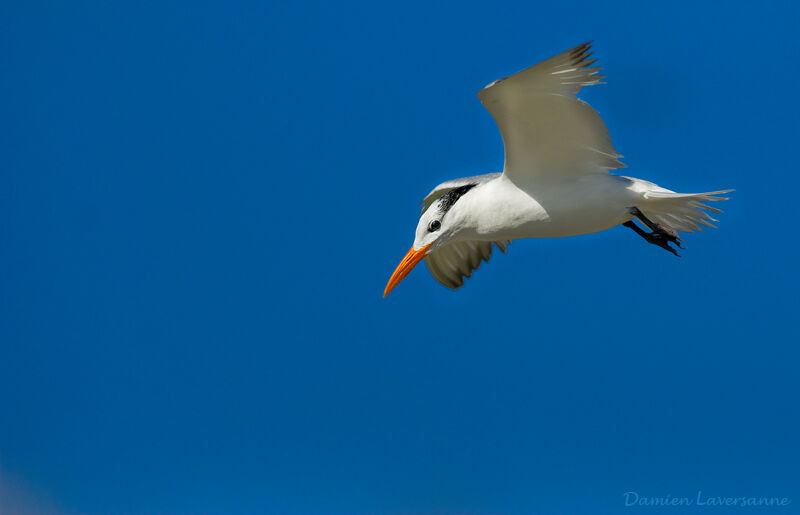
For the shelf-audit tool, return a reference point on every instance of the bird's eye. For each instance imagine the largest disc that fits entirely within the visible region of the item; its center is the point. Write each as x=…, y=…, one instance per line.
x=434, y=225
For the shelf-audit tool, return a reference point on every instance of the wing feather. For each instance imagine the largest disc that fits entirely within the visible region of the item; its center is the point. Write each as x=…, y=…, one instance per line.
x=546, y=129
x=453, y=262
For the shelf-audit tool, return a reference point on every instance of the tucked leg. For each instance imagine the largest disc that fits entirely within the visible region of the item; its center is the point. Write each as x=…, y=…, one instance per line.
x=635, y=211
x=659, y=236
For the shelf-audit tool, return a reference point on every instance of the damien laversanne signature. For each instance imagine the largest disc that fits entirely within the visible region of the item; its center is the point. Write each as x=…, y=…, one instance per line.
x=634, y=499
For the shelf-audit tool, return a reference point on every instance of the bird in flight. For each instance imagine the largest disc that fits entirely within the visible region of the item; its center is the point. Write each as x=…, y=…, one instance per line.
x=555, y=180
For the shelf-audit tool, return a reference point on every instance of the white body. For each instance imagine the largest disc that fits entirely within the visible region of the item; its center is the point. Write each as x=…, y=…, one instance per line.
x=502, y=210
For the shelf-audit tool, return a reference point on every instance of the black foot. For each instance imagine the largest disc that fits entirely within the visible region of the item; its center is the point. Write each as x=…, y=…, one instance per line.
x=659, y=236
x=663, y=240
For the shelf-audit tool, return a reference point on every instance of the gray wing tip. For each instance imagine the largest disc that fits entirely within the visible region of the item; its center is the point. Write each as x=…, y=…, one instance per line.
x=586, y=45
x=580, y=52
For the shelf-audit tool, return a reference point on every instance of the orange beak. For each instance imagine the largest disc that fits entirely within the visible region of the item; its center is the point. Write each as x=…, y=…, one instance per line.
x=410, y=261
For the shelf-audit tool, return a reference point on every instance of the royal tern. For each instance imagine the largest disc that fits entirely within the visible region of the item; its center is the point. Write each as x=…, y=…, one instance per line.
x=555, y=180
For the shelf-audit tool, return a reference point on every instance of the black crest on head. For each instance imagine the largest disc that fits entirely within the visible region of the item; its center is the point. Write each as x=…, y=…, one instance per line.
x=451, y=197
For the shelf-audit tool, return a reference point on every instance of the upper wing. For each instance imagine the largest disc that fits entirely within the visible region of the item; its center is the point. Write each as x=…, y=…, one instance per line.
x=545, y=128
x=444, y=187
x=451, y=263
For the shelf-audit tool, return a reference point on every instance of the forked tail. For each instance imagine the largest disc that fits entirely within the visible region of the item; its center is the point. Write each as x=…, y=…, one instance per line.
x=681, y=211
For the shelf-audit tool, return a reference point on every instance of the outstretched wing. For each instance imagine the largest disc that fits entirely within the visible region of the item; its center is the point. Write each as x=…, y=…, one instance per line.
x=546, y=129
x=451, y=263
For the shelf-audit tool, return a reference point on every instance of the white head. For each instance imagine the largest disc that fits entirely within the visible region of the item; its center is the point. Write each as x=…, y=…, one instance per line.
x=438, y=225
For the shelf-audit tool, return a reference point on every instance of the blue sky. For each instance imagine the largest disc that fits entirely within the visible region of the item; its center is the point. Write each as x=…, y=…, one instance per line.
x=202, y=203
